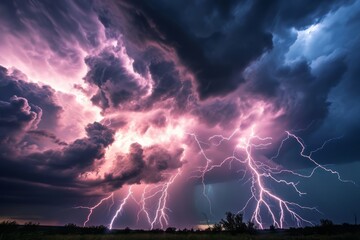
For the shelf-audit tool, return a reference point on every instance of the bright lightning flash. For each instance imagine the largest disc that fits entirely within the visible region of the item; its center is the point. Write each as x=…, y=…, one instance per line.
x=121, y=207
x=160, y=216
x=158, y=193
x=91, y=209
x=143, y=194
x=265, y=200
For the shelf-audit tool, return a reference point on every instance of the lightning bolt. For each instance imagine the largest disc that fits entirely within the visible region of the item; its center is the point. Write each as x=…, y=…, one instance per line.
x=160, y=214
x=264, y=199
x=265, y=204
x=203, y=170
x=158, y=193
x=161, y=192
x=142, y=203
x=91, y=209
x=124, y=201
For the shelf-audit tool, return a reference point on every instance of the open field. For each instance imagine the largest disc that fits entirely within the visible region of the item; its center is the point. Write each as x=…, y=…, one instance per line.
x=173, y=236
x=9, y=230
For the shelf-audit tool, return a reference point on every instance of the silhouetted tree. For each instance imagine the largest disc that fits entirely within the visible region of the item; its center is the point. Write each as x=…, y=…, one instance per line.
x=71, y=228
x=233, y=222
x=31, y=227
x=217, y=227
x=95, y=229
x=71, y=225
x=326, y=223
x=8, y=226
x=272, y=228
x=250, y=227
x=170, y=230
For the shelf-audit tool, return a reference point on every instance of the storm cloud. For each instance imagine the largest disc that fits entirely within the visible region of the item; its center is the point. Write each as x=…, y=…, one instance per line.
x=144, y=165
x=59, y=168
x=99, y=96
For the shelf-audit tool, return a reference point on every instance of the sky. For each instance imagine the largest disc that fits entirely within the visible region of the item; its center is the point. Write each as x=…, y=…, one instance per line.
x=149, y=114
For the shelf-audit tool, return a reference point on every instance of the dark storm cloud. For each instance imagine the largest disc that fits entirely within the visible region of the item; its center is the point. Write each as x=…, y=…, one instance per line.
x=144, y=165
x=215, y=57
x=73, y=159
x=59, y=168
x=302, y=88
x=300, y=14
x=305, y=95
x=337, y=35
x=80, y=155
x=315, y=78
x=20, y=192
x=117, y=87
x=16, y=117
x=29, y=111
x=41, y=98
x=215, y=40
x=169, y=85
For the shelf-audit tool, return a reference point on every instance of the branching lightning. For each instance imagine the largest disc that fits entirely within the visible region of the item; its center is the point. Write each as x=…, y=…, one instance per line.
x=91, y=209
x=265, y=201
x=124, y=201
x=159, y=193
x=266, y=205
x=161, y=216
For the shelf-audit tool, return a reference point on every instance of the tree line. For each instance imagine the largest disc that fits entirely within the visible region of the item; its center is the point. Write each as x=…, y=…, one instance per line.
x=232, y=223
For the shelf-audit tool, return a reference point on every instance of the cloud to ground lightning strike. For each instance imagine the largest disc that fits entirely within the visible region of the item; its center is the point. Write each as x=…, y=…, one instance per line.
x=91, y=209
x=118, y=211
x=264, y=200
x=160, y=214
x=154, y=217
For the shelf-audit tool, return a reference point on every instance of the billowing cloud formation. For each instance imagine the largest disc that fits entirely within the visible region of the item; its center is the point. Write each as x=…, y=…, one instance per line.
x=41, y=98
x=56, y=168
x=137, y=85
x=301, y=89
x=144, y=165
x=157, y=75
x=81, y=154
x=216, y=40
x=116, y=85
x=16, y=119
